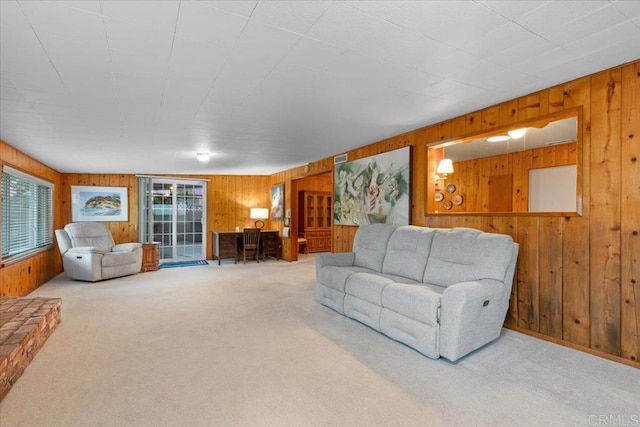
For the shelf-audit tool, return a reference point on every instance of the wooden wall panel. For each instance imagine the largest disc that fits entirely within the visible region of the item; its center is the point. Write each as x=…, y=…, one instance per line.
x=605, y=212
x=575, y=250
x=550, y=276
x=630, y=209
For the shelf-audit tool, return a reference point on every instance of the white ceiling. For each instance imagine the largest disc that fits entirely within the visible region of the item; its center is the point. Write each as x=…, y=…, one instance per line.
x=102, y=86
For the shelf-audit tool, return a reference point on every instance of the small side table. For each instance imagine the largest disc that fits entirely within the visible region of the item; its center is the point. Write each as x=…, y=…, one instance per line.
x=150, y=257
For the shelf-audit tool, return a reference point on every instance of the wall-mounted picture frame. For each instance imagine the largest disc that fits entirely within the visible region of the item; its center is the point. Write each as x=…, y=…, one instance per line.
x=99, y=204
x=374, y=189
x=277, y=202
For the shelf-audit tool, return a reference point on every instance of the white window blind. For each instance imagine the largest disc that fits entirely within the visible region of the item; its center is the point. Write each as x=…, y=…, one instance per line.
x=27, y=213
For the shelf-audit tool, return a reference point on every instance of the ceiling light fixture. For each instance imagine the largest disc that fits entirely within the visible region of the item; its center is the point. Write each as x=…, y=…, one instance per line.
x=203, y=157
x=498, y=138
x=517, y=133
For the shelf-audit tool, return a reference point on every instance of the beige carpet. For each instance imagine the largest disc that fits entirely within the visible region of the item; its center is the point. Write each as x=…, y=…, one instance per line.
x=247, y=345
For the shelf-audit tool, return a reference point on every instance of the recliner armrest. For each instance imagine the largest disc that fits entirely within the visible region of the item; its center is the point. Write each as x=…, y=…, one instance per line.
x=471, y=315
x=85, y=250
x=126, y=247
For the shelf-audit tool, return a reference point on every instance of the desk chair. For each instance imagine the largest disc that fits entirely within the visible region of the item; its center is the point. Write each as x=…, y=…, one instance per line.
x=250, y=244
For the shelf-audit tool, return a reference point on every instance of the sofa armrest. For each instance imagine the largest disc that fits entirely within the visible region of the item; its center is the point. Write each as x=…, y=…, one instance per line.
x=471, y=315
x=126, y=247
x=339, y=259
x=79, y=250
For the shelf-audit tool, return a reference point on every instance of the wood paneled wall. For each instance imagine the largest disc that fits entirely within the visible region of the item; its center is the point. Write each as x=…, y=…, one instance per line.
x=577, y=281
x=21, y=277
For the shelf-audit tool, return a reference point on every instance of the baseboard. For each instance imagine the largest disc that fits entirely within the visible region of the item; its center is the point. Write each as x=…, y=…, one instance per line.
x=604, y=355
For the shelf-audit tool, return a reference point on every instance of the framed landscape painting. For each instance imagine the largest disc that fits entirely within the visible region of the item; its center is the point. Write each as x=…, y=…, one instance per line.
x=102, y=204
x=374, y=189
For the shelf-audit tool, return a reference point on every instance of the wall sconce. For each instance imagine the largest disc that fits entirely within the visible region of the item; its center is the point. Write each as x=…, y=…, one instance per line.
x=445, y=167
x=259, y=214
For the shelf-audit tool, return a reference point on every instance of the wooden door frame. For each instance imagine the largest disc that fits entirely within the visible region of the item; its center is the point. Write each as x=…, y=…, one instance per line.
x=293, y=226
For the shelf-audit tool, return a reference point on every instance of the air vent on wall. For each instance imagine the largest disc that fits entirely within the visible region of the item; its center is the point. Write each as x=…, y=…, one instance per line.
x=340, y=159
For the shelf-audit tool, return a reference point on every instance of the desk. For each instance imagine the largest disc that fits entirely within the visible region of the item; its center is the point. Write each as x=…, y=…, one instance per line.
x=226, y=243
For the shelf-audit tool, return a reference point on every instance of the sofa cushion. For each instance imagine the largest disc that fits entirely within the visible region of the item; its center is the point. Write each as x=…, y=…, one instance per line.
x=407, y=251
x=397, y=279
x=417, y=302
x=370, y=245
x=464, y=254
x=336, y=277
x=367, y=286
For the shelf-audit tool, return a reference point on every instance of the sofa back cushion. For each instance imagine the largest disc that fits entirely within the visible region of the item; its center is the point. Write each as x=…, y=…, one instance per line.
x=407, y=251
x=465, y=254
x=94, y=234
x=370, y=245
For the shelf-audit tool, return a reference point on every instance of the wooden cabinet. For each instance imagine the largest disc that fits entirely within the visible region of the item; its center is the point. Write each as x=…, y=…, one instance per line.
x=314, y=219
x=270, y=244
x=150, y=257
x=225, y=245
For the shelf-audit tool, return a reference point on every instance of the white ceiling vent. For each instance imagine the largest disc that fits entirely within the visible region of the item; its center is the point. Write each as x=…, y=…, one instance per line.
x=340, y=159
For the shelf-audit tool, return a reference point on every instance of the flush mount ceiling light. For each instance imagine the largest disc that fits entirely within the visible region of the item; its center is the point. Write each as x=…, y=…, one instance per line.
x=203, y=157
x=517, y=133
x=499, y=138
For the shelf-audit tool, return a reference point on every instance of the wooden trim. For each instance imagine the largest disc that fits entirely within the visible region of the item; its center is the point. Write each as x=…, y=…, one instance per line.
x=573, y=346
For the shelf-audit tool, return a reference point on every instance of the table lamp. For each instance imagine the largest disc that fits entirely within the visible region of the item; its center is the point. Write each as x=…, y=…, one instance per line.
x=259, y=214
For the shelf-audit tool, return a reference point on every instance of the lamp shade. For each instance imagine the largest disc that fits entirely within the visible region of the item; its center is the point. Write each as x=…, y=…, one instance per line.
x=259, y=213
x=445, y=166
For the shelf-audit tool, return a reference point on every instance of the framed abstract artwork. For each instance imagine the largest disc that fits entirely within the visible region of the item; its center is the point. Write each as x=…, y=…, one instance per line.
x=374, y=189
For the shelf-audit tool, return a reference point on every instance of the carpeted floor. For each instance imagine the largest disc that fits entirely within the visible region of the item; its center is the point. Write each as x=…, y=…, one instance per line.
x=247, y=345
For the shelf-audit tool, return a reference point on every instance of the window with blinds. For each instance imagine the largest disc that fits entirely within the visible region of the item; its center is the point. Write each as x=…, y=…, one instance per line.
x=27, y=214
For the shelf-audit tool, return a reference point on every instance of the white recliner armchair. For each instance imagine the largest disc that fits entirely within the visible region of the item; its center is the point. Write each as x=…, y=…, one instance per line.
x=90, y=254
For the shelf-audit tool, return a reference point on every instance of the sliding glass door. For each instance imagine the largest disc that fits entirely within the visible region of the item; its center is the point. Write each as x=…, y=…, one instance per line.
x=173, y=213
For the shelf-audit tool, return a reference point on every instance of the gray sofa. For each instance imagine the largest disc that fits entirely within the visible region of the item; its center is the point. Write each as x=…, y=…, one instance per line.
x=90, y=254
x=444, y=292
